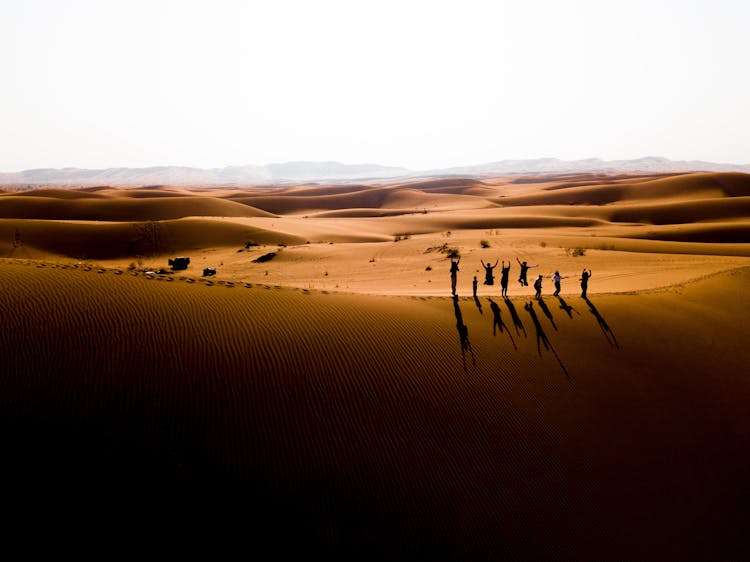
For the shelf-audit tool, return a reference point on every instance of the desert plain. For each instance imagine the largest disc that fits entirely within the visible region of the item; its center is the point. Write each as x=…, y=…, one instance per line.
x=323, y=392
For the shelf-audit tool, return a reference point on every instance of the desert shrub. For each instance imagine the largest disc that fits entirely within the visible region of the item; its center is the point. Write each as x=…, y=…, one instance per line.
x=543, y=244
x=484, y=243
x=265, y=257
x=372, y=260
x=428, y=268
x=442, y=249
x=453, y=253
x=250, y=243
x=575, y=252
x=398, y=237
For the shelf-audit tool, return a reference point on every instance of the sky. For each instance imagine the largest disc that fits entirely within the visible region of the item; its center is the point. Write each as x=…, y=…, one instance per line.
x=109, y=83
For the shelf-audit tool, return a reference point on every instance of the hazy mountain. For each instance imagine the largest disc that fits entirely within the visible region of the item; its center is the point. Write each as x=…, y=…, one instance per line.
x=554, y=165
x=337, y=172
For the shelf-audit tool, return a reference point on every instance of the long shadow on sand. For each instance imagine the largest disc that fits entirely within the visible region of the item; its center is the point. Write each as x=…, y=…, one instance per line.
x=463, y=334
x=566, y=308
x=497, y=322
x=517, y=324
x=479, y=304
x=606, y=330
x=541, y=337
x=547, y=312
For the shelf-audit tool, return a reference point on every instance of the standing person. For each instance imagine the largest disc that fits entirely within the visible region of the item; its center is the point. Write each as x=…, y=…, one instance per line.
x=454, y=273
x=504, y=279
x=474, y=286
x=556, y=278
x=585, y=282
x=524, y=269
x=489, y=279
x=538, y=286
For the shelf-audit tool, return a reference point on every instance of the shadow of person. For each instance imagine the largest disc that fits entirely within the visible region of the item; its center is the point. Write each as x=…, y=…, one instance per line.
x=565, y=307
x=463, y=334
x=517, y=324
x=606, y=330
x=479, y=304
x=547, y=311
x=541, y=337
x=497, y=322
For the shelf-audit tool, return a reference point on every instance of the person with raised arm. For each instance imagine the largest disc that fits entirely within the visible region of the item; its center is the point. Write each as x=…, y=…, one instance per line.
x=585, y=282
x=524, y=270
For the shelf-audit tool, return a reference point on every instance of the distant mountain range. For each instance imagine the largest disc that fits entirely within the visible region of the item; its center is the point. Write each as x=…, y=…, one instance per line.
x=297, y=172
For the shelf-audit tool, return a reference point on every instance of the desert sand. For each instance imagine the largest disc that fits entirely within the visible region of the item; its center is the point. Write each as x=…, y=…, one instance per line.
x=335, y=399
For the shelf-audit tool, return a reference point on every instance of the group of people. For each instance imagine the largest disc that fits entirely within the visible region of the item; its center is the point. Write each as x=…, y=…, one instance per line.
x=489, y=277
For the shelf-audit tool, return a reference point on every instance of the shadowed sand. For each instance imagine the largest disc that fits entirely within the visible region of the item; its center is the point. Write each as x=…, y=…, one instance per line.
x=350, y=422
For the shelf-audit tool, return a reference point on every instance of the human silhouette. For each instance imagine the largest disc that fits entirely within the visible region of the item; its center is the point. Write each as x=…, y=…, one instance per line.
x=474, y=286
x=585, y=282
x=609, y=335
x=547, y=312
x=454, y=273
x=556, y=278
x=505, y=272
x=489, y=278
x=463, y=334
x=564, y=306
x=497, y=322
x=538, y=286
x=524, y=270
x=517, y=324
x=541, y=337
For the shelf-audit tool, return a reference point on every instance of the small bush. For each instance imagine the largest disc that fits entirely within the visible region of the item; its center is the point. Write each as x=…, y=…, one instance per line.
x=372, y=260
x=428, y=268
x=453, y=253
x=265, y=257
x=543, y=244
x=484, y=243
x=575, y=252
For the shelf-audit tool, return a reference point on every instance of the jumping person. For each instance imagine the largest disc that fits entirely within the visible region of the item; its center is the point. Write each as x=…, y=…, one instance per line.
x=489, y=279
x=454, y=273
x=504, y=279
x=474, y=286
x=585, y=282
x=524, y=269
x=556, y=278
x=538, y=286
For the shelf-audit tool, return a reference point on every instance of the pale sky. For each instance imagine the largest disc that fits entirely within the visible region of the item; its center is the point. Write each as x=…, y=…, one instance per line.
x=106, y=83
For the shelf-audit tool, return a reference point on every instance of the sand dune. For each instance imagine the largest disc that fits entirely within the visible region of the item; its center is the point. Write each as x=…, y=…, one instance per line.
x=322, y=395
x=388, y=426
x=107, y=240
x=375, y=197
x=121, y=208
x=696, y=186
